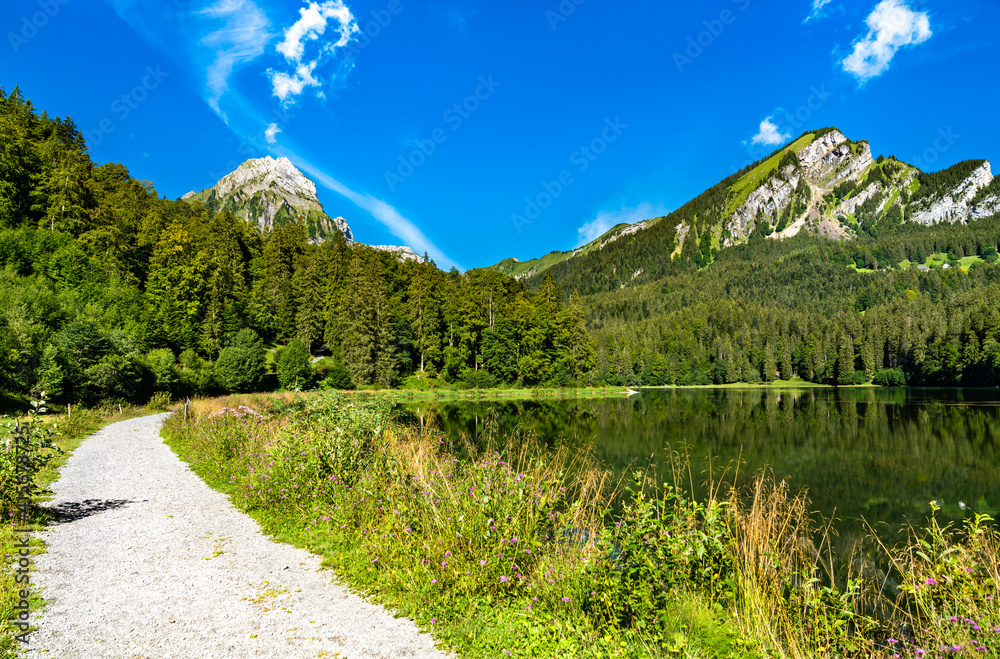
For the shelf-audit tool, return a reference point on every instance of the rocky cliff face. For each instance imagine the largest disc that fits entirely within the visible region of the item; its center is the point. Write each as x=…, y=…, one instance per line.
x=822, y=183
x=269, y=192
x=955, y=206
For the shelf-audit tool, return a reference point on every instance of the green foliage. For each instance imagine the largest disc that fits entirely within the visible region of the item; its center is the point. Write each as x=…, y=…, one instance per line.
x=292, y=363
x=659, y=546
x=852, y=378
x=24, y=453
x=334, y=376
x=890, y=377
x=240, y=367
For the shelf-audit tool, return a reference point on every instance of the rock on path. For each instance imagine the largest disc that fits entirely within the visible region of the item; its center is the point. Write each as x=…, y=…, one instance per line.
x=149, y=562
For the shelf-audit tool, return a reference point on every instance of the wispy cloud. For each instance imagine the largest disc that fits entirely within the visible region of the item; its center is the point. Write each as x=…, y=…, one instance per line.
x=393, y=220
x=606, y=220
x=213, y=37
x=242, y=38
x=305, y=35
x=271, y=133
x=770, y=134
x=817, y=6
x=891, y=25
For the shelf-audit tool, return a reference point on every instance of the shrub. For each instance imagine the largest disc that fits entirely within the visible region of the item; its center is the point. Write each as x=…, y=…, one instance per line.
x=890, y=377
x=29, y=447
x=478, y=379
x=240, y=367
x=334, y=376
x=160, y=401
x=292, y=363
x=163, y=365
x=852, y=379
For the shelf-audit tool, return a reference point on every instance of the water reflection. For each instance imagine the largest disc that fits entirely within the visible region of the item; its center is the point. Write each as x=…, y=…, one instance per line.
x=881, y=454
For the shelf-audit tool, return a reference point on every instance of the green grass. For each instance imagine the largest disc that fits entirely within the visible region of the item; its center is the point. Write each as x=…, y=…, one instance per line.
x=472, y=549
x=470, y=542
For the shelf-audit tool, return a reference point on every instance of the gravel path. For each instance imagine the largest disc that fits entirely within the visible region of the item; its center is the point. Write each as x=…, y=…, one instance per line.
x=148, y=562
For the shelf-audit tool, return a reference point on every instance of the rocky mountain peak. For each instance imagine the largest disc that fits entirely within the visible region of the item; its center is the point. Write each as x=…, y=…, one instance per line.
x=268, y=174
x=269, y=192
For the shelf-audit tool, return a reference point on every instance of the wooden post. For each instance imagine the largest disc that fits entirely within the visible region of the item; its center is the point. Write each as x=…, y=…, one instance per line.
x=69, y=411
x=119, y=409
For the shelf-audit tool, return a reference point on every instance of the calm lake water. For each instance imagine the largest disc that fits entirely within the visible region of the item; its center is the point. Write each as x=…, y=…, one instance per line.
x=877, y=454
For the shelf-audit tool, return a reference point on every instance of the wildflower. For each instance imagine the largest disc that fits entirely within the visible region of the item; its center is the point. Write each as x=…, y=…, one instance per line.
x=565, y=599
x=434, y=581
x=930, y=582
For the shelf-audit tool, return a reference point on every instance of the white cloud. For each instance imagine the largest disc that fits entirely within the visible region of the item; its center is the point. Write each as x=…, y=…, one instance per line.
x=770, y=134
x=312, y=25
x=286, y=86
x=271, y=133
x=891, y=25
x=605, y=220
x=816, y=8
x=393, y=220
x=241, y=39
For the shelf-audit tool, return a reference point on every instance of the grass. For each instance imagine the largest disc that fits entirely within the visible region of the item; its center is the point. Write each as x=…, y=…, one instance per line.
x=71, y=431
x=513, y=549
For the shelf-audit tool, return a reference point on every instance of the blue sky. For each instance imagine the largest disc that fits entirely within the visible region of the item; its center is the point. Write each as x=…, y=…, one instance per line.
x=477, y=130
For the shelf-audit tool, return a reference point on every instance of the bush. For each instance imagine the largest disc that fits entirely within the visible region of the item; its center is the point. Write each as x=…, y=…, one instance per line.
x=890, y=377
x=478, y=379
x=194, y=375
x=334, y=376
x=160, y=401
x=292, y=363
x=852, y=379
x=164, y=368
x=240, y=367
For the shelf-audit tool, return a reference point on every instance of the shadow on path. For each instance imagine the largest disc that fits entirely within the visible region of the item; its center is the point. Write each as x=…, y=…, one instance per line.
x=72, y=511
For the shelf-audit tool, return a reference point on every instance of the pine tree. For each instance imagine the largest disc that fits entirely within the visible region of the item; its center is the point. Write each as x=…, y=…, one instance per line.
x=425, y=314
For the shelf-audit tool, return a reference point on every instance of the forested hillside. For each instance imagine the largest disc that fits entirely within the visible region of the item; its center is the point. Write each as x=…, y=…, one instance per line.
x=829, y=312
x=110, y=292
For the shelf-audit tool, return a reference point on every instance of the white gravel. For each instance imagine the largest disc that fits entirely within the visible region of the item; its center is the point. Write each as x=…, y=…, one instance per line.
x=149, y=562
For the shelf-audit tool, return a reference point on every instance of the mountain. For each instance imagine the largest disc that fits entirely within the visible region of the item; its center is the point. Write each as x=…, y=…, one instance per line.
x=269, y=192
x=822, y=184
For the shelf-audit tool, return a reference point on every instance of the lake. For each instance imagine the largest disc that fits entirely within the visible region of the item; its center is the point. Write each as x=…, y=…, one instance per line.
x=877, y=454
